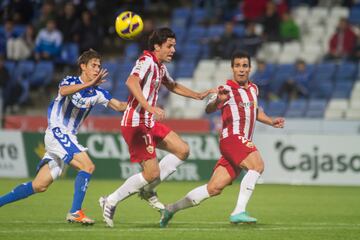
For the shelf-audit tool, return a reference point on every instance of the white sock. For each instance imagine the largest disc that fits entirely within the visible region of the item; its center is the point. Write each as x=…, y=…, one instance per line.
x=247, y=187
x=132, y=185
x=167, y=167
x=193, y=198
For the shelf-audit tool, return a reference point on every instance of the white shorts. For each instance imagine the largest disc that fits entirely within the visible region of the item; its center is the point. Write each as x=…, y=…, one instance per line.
x=60, y=149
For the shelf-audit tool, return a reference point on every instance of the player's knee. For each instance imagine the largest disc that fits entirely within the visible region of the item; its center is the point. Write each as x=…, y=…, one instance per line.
x=152, y=176
x=89, y=168
x=214, y=190
x=259, y=167
x=39, y=188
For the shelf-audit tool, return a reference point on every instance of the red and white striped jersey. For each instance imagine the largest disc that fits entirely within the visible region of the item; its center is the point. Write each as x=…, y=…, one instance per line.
x=240, y=111
x=152, y=73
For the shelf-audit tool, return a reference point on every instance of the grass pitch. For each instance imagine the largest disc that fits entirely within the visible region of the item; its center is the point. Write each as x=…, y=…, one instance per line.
x=284, y=212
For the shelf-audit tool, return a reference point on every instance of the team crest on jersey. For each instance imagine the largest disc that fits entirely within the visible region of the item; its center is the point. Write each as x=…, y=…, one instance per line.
x=250, y=144
x=150, y=149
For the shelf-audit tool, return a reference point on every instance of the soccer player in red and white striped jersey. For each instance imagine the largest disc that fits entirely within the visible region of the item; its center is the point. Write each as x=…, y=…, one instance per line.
x=140, y=129
x=237, y=100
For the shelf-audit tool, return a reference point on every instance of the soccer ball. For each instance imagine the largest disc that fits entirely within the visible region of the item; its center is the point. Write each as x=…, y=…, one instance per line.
x=128, y=25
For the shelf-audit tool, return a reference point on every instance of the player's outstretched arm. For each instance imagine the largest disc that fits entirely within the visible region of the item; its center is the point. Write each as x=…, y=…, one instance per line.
x=71, y=89
x=117, y=105
x=186, y=92
x=133, y=83
x=275, y=122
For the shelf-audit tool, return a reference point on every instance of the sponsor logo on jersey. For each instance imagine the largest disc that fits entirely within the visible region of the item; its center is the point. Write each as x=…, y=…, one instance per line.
x=247, y=104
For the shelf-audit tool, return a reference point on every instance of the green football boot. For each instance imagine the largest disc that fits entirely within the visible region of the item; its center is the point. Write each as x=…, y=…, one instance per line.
x=242, y=217
x=166, y=216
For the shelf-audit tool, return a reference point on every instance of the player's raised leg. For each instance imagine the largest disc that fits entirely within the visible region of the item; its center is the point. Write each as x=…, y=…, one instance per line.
x=41, y=182
x=255, y=165
x=219, y=180
x=82, y=162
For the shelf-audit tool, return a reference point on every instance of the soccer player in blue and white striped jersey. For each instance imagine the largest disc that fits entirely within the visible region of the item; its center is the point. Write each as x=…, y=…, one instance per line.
x=74, y=101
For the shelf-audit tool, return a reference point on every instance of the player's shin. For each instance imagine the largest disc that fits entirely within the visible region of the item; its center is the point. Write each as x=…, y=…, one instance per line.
x=81, y=184
x=132, y=185
x=247, y=187
x=20, y=192
x=193, y=198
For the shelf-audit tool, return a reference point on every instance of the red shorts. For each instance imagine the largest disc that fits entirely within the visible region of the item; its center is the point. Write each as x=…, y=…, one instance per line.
x=142, y=140
x=234, y=149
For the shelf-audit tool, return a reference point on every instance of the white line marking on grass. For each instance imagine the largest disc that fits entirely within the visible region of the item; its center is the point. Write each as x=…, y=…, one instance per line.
x=269, y=224
x=122, y=228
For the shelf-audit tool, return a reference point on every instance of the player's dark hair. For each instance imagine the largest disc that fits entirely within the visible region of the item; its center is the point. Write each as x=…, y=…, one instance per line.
x=160, y=36
x=240, y=55
x=86, y=56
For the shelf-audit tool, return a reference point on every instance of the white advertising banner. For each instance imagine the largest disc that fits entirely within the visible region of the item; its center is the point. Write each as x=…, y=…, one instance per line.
x=12, y=155
x=310, y=159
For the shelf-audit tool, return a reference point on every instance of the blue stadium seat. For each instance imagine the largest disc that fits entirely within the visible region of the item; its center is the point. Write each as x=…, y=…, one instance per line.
x=322, y=90
x=23, y=71
x=205, y=51
x=354, y=17
x=180, y=33
x=240, y=30
x=185, y=69
x=196, y=33
x=171, y=68
x=19, y=29
x=10, y=67
x=215, y=30
x=316, y=108
x=296, y=108
x=323, y=73
x=132, y=51
x=346, y=71
x=198, y=15
x=263, y=104
x=191, y=52
x=342, y=90
x=43, y=74
x=111, y=78
x=69, y=54
x=181, y=17
x=121, y=92
x=126, y=67
x=282, y=73
x=276, y=108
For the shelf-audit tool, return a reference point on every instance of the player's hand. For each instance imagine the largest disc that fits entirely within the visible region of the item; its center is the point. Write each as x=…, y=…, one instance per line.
x=158, y=112
x=100, y=78
x=278, y=122
x=203, y=95
x=222, y=94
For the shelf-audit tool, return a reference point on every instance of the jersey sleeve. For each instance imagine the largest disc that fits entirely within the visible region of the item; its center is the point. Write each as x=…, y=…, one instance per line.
x=104, y=96
x=67, y=81
x=142, y=66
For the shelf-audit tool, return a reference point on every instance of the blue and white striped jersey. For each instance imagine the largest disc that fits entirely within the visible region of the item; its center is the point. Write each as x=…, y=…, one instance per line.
x=68, y=112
